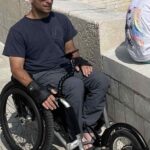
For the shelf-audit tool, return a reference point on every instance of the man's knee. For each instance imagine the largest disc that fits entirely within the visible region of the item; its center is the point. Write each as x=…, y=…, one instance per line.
x=74, y=94
x=101, y=80
x=74, y=84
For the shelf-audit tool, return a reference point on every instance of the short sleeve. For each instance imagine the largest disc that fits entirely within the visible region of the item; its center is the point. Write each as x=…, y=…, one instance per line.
x=15, y=45
x=70, y=31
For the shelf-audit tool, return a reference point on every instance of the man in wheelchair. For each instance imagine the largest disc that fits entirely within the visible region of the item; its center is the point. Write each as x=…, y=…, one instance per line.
x=36, y=46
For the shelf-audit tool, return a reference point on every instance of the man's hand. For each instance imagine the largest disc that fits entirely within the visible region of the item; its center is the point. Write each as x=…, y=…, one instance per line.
x=83, y=65
x=42, y=95
x=86, y=70
x=80, y=63
x=50, y=102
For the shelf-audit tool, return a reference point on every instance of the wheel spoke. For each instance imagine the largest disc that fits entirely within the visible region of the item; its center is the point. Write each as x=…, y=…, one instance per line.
x=22, y=134
x=123, y=139
x=21, y=120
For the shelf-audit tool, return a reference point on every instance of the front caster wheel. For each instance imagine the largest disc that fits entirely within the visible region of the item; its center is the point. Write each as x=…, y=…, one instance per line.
x=124, y=140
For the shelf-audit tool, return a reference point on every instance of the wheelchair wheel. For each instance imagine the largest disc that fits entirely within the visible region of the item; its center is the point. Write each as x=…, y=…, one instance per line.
x=124, y=140
x=24, y=126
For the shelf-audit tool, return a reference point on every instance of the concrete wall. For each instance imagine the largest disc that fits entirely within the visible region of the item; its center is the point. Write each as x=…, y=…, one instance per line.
x=10, y=12
x=100, y=40
x=115, y=5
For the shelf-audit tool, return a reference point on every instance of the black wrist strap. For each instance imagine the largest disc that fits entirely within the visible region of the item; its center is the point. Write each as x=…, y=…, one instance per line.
x=33, y=87
x=70, y=54
x=79, y=61
x=37, y=92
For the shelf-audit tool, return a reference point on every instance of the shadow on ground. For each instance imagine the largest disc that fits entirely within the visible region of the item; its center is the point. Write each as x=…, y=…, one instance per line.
x=123, y=55
x=4, y=146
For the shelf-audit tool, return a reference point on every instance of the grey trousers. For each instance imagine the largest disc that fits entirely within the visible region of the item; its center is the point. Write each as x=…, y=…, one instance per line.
x=88, y=107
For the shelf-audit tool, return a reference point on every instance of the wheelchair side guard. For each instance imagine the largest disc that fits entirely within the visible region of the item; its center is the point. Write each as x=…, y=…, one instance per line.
x=123, y=126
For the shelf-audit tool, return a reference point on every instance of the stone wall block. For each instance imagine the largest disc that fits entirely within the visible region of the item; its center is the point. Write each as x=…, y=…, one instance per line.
x=126, y=96
x=119, y=112
x=140, y=125
x=147, y=132
x=133, y=119
x=122, y=68
x=110, y=106
x=142, y=107
x=114, y=88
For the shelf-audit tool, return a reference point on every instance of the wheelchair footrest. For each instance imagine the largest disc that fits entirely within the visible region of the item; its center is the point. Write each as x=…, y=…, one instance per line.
x=70, y=146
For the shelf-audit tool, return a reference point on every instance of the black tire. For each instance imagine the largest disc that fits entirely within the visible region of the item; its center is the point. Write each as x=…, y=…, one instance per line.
x=48, y=132
x=42, y=122
x=127, y=141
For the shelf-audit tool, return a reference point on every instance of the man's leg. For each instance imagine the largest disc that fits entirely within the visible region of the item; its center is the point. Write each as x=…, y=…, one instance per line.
x=96, y=85
x=73, y=89
x=74, y=93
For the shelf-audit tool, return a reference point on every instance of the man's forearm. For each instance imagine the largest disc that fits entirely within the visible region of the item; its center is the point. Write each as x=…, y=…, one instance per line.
x=70, y=47
x=74, y=52
x=22, y=76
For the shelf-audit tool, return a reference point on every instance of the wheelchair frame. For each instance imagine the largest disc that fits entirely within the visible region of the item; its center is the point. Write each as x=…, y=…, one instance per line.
x=103, y=140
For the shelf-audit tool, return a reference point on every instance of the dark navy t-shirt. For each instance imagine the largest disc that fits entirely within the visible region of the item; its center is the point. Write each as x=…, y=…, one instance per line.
x=40, y=41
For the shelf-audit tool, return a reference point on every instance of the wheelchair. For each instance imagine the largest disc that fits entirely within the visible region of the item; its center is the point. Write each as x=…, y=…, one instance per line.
x=26, y=125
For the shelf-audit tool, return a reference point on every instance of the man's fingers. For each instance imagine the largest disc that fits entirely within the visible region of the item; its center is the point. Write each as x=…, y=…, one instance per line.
x=77, y=68
x=45, y=106
x=86, y=70
x=50, y=103
x=53, y=91
x=51, y=97
x=91, y=69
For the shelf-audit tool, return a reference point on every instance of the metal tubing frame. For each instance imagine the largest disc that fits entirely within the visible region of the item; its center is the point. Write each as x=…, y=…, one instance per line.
x=70, y=146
